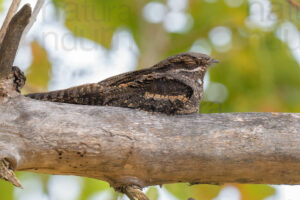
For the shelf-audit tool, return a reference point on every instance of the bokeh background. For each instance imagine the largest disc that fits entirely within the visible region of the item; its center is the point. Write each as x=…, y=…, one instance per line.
x=81, y=41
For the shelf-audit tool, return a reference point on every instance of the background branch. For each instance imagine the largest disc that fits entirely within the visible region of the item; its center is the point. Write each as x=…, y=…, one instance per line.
x=134, y=193
x=37, y=8
x=11, y=12
x=295, y=4
x=11, y=40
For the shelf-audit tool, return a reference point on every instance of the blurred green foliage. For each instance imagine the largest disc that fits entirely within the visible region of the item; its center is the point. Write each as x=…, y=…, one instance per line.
x=258, y=70
x=258, y=192
x=152, y=193
x=6, y=190
x=97, y=20
x=184, y=191
x=267, y=81
x=39, y=73
x=92, y=186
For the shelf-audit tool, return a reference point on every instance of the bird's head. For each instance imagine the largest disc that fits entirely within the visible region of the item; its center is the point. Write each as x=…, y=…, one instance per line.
x=187, y=62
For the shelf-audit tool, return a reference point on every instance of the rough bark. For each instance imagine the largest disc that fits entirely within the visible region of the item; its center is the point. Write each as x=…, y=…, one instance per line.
x=11, y=40
x=129, y=147
x=11, y=81
x=11, y=12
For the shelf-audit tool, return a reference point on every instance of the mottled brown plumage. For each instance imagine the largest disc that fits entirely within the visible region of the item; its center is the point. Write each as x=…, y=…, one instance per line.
x=173, y=86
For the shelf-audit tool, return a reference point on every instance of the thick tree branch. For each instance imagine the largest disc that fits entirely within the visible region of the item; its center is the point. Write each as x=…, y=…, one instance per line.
x=128, y=147
x=11, y=40
x=11, y=78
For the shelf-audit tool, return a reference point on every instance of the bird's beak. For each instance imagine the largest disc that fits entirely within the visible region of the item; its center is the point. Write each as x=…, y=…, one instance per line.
x=214, y=61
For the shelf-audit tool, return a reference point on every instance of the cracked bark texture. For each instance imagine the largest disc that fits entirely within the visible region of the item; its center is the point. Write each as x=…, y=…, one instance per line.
x=11, y=80
x=130, y=147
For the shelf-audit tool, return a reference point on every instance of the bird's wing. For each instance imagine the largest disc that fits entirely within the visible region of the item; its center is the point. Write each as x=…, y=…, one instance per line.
x=148, y=92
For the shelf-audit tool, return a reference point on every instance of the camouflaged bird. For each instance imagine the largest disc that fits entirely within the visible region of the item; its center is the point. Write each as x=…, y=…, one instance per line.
x=173, y=86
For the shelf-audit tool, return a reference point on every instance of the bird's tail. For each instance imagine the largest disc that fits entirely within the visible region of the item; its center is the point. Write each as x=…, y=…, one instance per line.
x=84, y=94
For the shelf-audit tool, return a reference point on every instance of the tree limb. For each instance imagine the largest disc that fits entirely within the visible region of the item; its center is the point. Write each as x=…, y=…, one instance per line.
x=7, y=174
x=37, y=8
x=11, y=79
x=133, y=192
x=129, y=147
x=11, y=40
x=11, y=12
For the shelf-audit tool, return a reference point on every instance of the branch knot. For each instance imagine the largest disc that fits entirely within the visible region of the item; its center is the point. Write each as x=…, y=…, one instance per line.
x=19, y=78
x=11, y=85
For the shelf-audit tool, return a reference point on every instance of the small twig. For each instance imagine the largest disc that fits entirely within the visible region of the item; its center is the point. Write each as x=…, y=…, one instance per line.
x=8, y=174
x=11, y=40
x=133, y=192
x=295, y=4
x=33, y=18
x=12, y=10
